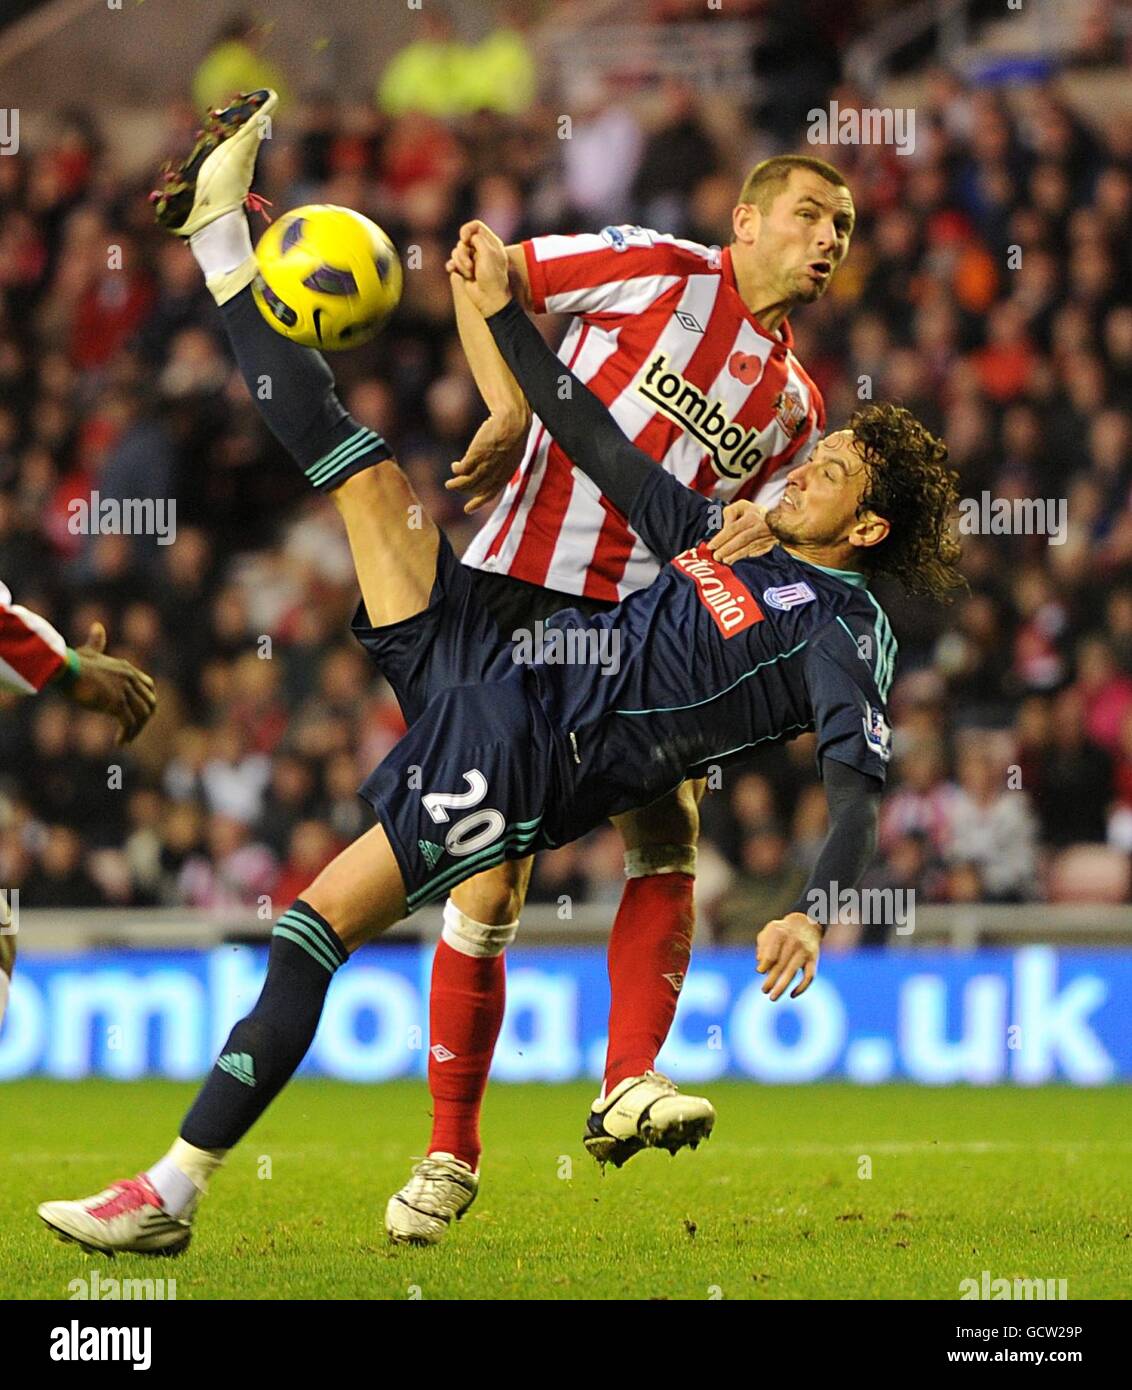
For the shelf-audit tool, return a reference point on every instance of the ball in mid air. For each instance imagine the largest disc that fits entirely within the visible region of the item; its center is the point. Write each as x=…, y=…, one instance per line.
x=328, y=277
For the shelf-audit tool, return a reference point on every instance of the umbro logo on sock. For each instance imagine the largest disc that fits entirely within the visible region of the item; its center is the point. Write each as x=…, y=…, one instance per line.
x=676, y=980
x=441, y=1053
x=430, y=851
x=239, y=1065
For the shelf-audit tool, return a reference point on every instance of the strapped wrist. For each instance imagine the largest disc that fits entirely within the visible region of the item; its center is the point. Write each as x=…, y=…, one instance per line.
x=69, y=672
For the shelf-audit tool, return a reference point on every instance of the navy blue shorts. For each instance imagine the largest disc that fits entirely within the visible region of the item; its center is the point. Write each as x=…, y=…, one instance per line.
x=454, y=641
x=468, y=785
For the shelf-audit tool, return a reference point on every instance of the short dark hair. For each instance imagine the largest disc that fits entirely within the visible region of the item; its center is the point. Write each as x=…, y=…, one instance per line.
x=909, y=484
x=767, y=180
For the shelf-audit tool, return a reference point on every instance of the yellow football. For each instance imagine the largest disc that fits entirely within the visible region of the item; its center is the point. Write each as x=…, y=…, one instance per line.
x=328, y=277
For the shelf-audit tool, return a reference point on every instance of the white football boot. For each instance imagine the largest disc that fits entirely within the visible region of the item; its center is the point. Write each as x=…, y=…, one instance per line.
x=645, y=1112
x=127, y=1217
x=441, y=1189
x=216, y=177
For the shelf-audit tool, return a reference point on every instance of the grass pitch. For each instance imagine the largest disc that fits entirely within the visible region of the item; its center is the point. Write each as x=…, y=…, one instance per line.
x=814, y=1192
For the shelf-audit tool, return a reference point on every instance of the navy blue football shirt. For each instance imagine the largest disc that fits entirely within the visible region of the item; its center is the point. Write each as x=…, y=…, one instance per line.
x=709, y=662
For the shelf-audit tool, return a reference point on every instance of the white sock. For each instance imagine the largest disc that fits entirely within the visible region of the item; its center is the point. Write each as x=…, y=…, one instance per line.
x=181, y=1178
x=4, y=982
x=224, y=245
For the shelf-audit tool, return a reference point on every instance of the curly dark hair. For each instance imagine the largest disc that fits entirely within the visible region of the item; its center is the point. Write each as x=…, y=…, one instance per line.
x=909, y=484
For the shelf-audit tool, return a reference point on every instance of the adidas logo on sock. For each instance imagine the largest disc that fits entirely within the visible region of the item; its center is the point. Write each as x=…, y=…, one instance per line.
x=430, y=851
x=239, y=1065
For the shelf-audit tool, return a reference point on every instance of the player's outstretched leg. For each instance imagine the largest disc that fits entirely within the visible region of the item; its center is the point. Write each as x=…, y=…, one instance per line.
x=394, y=542
x=358, y=895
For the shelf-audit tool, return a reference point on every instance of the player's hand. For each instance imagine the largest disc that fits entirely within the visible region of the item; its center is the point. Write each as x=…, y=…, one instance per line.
x=479, y=258
x=784, y=947
x=463, y=257
x=744, y=533
x=490, y=460
x=461, y=261
x=113, y=687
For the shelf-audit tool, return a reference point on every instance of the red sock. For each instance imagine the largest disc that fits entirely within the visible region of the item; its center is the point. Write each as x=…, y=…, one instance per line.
x=465, y=1013
x=649, y=949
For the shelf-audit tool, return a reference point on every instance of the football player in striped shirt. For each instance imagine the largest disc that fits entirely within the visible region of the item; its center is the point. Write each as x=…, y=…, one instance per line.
x=34, y=657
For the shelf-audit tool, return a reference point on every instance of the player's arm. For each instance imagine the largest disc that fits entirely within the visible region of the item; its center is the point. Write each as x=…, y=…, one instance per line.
x=667, y=516
x=601, y=278
x=496, y=449
x=793, y=942
x=844, y=681
x=32, y=653
x=34, y=657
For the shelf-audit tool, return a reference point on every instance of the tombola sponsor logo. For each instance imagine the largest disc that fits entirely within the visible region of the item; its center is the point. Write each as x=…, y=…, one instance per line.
x=728, y=600
x=734, y=451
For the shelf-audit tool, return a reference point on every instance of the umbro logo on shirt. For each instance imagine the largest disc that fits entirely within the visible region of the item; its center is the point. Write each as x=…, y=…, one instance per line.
x=688, y=321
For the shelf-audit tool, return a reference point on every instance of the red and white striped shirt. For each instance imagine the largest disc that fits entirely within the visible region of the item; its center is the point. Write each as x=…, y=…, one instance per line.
x=31, y=651
x=662, y=336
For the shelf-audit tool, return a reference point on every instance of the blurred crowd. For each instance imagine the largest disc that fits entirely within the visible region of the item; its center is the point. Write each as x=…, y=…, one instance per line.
x=987, y=287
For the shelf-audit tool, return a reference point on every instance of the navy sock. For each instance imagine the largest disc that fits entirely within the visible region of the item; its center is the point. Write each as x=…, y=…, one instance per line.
x=264, y=1049
x=293, y=389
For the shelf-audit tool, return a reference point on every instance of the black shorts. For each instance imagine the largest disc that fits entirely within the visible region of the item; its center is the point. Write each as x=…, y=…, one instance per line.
x=469, y=784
